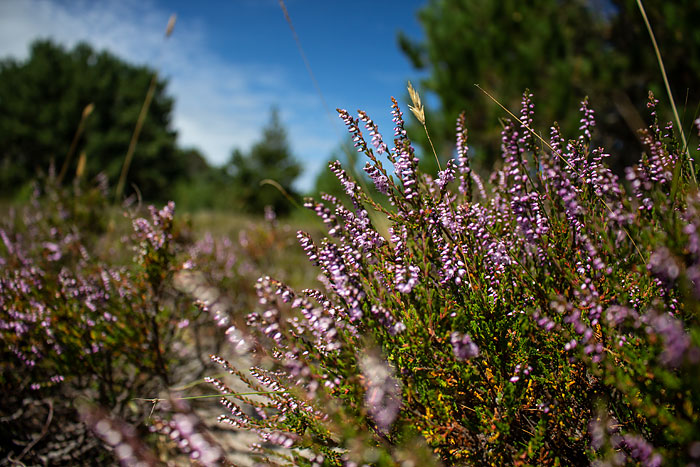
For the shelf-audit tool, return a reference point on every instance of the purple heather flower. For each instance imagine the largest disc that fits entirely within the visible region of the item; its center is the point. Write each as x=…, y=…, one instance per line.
x=406, y=163
x=325, y=213
x=342, y=280
x=381, y=181
x=447, y=175
x=676, y=341
x=587, y=121
x=350, y=187
x=639, y=449
x=663, y=265
x=320, y=323
x=120, y=436
x=405, y=168
x=465, y=179
x=382, y=393
x=556, y=141
x=600, y=428
x=377, y=141
x=406, y=277
x=285, y=440
x=385, y=317
x=463, y=346
x=270, y=215
x=479, y=184
x=53, y=251
x=617, y=314
x=358, y=226
x=527, y=111
x=462, y=147
x=353, y=129
x=543, y=321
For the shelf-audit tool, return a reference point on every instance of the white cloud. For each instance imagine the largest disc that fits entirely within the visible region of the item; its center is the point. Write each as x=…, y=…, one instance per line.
x=219, y=105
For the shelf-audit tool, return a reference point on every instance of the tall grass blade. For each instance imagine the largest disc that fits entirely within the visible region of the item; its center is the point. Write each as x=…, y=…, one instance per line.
x=668, y=89
x=140, y=120
x=280, y=188
x=74, y=144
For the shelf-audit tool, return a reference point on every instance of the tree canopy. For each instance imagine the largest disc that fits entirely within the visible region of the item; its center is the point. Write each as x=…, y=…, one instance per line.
x=269, y=159
x=563, y=51
x=43, y=99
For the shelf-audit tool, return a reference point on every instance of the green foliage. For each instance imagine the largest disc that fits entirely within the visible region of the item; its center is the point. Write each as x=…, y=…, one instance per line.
x=562, y=51
x=205, y=188
x=42, y=102
x=553, y=321
x=268, y=159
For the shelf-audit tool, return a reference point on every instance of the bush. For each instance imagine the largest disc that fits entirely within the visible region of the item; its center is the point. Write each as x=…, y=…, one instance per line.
x=551, y=322
x=94, y=333
x=77, y=325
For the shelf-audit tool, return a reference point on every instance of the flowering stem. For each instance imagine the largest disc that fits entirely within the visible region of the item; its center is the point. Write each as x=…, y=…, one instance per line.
x=668, y=87
x=556, y=153
x=205, y=396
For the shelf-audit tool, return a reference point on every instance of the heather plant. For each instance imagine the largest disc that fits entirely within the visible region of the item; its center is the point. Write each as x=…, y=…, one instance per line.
x=75, y=323
x=552, y=320
x=94, y=330
x=227, y=263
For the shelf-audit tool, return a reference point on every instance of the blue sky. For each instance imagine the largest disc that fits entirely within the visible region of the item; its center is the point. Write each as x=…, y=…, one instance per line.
x=229, y=62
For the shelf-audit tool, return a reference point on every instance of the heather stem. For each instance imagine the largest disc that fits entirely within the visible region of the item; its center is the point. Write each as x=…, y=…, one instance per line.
x=668, y=87
x=160, y=363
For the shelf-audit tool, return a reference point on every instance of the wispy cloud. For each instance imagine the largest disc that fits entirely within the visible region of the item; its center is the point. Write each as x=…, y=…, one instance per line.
x=219, y=104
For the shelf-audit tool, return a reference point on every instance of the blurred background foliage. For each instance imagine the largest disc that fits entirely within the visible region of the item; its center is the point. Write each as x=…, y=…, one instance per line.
x=562, y=50
x=42, y=103
x=43, y=99
x=268, y=160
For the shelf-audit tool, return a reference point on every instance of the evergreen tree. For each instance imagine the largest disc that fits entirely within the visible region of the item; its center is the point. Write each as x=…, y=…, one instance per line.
x=268, y=159
x=563, y=51
x=43, y=99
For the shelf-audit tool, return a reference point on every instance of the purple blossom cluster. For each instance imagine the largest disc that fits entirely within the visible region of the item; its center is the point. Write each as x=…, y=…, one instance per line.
x=185, y=429
x=123, y=438
x=465, y=177
x=82, y=317
x=463, y=346
x=587, y=121
x=405, y=161
x=39, y=291
x=377, y=140
x=405, y=274
x=383, y=393
x=156, y=231
x=656, y=169
x=559, y=285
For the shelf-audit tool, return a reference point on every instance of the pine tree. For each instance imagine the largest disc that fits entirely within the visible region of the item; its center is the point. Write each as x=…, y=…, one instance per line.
x=42, y=101
x=268, y=159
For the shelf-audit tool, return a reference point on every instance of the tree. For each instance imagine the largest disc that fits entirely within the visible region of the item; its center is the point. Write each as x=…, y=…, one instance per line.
x=205, y=187
x=562, y=50
x=268, y=159
x=41, y=104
